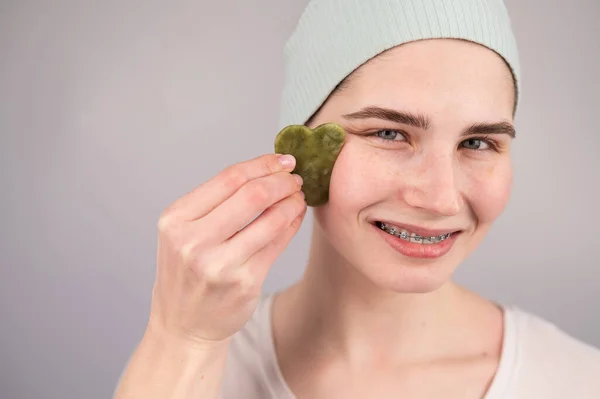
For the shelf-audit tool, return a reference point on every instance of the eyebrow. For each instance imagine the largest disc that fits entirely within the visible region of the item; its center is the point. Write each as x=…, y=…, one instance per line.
x=423, y=122
x=491, y=128
x=417, y=120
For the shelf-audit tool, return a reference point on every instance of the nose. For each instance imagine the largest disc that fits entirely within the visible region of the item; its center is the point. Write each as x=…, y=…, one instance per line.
x=432, y=186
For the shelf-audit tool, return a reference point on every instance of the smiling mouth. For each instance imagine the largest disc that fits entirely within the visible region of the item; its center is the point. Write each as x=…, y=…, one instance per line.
x=412, y=237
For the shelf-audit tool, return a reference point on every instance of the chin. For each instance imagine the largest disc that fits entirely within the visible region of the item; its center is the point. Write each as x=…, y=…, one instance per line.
x=390, y=270
x=404, y=278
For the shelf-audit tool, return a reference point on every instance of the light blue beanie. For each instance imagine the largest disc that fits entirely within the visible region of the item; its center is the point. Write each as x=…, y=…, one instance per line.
x=334, y=37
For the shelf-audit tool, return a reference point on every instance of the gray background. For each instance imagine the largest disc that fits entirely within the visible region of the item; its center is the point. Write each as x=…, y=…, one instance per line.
x=109, y=110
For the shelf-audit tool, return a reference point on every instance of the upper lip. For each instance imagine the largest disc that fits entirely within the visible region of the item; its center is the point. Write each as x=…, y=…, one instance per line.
x=421, y=231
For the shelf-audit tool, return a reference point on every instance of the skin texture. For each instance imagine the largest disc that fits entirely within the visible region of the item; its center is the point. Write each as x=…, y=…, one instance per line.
x=377, y=319
x=429, y=182
x=213, y=255
x=365, y=320
x=316, y=151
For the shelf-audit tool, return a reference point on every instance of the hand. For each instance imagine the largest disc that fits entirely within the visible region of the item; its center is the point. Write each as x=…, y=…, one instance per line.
x=214, y=252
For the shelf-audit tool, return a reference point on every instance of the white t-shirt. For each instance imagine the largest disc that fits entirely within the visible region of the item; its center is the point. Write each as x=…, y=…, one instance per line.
x=538, y=360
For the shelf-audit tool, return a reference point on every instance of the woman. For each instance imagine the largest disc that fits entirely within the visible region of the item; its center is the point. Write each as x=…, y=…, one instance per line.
x=423, y=174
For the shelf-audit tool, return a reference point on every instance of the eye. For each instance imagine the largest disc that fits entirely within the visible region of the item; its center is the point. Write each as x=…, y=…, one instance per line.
x=476, y=144
x=390, y=135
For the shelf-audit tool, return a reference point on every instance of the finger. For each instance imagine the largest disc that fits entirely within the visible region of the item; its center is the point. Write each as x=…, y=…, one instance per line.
x=248, y=202
x=259, y=264
x=204, y=198
x=264, y=229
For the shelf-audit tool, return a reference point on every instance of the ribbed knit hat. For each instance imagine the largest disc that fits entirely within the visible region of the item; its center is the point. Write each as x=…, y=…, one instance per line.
x=334, y=37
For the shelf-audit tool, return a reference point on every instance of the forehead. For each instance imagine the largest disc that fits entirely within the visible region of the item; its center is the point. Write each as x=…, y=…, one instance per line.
x=436, y=77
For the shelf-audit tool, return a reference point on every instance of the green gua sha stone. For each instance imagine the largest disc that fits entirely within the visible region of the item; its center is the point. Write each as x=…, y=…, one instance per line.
x=315, y=150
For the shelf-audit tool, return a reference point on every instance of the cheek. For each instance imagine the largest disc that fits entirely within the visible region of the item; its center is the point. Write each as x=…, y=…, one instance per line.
x=363, y=177
x=354, y=186
x=489, y=189
x=354, y=183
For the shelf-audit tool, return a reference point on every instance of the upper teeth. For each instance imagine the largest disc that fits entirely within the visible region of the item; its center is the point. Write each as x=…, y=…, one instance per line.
x=412, y=237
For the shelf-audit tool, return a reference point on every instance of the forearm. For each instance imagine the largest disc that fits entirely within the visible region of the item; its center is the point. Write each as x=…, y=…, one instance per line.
x=164, y=367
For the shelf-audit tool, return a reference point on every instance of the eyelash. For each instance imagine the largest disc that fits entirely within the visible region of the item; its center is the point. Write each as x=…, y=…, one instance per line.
x=493, y=145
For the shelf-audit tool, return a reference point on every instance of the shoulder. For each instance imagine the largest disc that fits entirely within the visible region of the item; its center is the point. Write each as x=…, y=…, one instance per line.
x=551, y=363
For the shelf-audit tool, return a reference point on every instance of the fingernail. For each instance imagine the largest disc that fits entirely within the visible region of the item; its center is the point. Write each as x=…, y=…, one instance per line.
x=298, y=179
x=287, y=160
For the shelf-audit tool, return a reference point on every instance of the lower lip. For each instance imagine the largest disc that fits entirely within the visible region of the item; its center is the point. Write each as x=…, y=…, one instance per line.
x=415, y=250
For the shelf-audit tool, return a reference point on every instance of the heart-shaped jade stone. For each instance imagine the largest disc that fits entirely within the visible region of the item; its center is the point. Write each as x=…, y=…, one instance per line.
x=315, y=150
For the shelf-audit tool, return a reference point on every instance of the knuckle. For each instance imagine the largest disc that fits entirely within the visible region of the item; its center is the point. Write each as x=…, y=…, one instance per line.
x=288, y=181
x=270, y=164
x=300, y=207
x=280, y=220
x=167, y=222
x=164, y=223
x=213, y=266
x=258, y=193
x=295, y=205
x=292, y=184
x=287, y=212
x=211, y=274
x=188, y=252
x=234, y=176
x=194, y=252
x=299, y=202
x=296, y=223
x=245, y=282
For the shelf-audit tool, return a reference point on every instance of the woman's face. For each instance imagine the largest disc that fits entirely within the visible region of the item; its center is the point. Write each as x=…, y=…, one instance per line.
x=428, y=152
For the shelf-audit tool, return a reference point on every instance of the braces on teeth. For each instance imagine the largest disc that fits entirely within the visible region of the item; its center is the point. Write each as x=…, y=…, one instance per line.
x=409, y=237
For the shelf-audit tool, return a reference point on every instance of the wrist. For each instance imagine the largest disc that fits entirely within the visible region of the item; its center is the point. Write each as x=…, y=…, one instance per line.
x=160, y=337
x=166, y=364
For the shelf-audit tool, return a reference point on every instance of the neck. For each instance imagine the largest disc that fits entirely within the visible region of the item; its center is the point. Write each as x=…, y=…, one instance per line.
x=345, y=315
